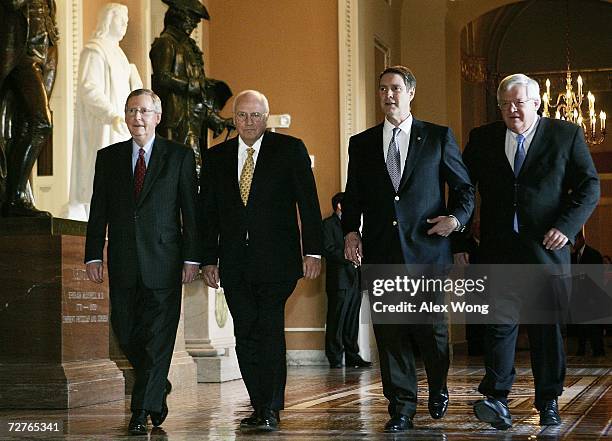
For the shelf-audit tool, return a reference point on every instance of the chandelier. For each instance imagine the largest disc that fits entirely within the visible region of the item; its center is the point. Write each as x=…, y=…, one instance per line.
x=568, y=105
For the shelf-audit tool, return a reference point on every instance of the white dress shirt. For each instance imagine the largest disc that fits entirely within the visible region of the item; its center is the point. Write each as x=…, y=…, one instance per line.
x=511, y=142
x=402, y=139
x=242, y=153
x=148, y=148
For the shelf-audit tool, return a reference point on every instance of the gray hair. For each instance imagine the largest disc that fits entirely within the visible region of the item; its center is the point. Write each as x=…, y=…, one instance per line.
x=532, y=86
x=260, y=96
x=105, y=18
x=137, y=92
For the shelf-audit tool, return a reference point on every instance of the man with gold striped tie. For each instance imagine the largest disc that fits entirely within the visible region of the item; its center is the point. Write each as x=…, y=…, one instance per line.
x=250, y=188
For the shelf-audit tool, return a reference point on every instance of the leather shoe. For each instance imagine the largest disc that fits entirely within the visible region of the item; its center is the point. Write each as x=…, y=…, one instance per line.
x=549, y=413
x=335, y=365
x=158, y=418
x=138, y=423
x=249, y=422
x=494, y=412
x=438, y=404
x=268, y=420
x=358, y=363
x=399, y=423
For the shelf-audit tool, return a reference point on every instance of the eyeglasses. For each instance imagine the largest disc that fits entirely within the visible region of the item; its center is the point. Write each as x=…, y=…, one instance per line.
x=255, y=116
x=506, y=105
x=132, y=111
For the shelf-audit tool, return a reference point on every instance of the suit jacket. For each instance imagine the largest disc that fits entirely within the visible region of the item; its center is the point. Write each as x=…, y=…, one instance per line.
x=282, y=179
x=557, y=187
x=151, y=236
x=433, y=160
x=339, y=272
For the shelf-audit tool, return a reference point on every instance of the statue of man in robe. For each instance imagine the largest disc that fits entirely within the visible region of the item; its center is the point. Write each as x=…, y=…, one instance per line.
x=106, y=78
x=191, y=102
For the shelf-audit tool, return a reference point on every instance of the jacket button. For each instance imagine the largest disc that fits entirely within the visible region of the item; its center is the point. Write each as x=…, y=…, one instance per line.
x=396, y=198
x=394, y=223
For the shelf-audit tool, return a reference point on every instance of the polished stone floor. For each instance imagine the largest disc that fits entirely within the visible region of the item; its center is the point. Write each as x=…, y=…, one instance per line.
x=347, y=404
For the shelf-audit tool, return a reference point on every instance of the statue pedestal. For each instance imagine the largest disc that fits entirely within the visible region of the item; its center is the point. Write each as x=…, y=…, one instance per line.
x=209, y=334
x=54, y=322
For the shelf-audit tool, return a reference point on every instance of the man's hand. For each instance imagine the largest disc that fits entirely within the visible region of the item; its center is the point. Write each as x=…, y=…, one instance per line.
x=190, y=271
x=353, y=250
x=95, y=271
x=311, y=267
x=461, y=258
x=554, y=239
x=211, y=275
x=443, y=225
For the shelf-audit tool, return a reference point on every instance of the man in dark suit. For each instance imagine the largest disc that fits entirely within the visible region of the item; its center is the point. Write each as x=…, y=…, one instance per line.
x=250, y=188
x=396, y=179
x=145, y=196
x=538, y=186
x=342, y=283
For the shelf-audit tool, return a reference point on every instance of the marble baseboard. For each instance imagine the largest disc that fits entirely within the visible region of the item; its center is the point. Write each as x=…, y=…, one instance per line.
x=59, y=386
x=306, y=357
x=219, y=368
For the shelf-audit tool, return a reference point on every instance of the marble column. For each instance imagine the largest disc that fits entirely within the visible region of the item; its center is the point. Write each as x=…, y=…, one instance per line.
x=209, y=334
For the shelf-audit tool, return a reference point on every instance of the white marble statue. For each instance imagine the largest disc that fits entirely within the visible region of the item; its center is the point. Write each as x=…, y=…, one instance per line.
x=105, y=80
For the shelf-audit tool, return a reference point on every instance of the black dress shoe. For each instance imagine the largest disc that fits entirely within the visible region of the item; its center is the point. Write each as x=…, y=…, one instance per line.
x=438, y=404
x=268, y=420
x=549, y=413
x=138, y=423
x=399, y=423
x=250, y=422
x=158, y=418
x=494, y=412
x=335, y=365
x=358, y=363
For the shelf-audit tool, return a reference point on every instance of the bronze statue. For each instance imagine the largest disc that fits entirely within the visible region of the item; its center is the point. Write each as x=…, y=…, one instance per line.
x=28, y=62
x=191, y=102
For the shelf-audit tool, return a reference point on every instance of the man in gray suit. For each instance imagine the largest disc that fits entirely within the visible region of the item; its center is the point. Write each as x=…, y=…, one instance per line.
x=144, y=194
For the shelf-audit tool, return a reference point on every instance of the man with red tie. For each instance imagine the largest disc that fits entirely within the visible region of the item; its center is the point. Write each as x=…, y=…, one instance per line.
x=144, y=198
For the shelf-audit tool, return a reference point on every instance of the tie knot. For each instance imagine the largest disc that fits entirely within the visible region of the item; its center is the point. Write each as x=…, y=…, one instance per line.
x=395, y=131
x=141, y=153
x=250, y=151
x=520, y=139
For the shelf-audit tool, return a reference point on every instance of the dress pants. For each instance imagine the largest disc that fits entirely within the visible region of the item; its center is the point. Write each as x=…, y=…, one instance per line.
x=547, y=360
x=145, y=322
x=397, y=364
x=258, y=310
x=342, y=327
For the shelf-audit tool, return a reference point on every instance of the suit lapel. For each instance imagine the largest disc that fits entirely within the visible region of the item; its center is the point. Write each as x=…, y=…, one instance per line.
x=537, y=146
x=377, y=158
x=499, y=145
x=262, y=164
x=156, y=165
x=232, y=168
x=126, y=173
x=415, y=147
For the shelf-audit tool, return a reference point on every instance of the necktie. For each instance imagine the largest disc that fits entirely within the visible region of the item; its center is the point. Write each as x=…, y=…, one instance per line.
x=139, y=173
x=393, y=160
x=246, y=176
x=519, y=158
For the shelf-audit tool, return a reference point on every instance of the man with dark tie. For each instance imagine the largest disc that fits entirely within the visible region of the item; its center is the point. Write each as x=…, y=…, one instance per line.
x=538, y=186
x=397, y=174
x=144, y=198
x=251, y=188
x=343, y=286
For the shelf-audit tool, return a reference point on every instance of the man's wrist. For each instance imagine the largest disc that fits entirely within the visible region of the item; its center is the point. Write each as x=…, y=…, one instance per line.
x=459, y=227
